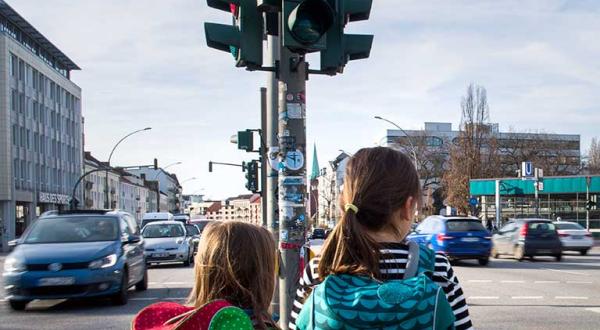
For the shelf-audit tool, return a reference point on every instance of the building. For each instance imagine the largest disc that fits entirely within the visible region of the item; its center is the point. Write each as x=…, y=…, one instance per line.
x=41, y=125
x=330, y=184
x=246, y=208
x=168, y=185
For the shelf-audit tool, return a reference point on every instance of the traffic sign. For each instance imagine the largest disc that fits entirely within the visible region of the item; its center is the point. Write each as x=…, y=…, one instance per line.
x=473, y=201
x=527, y=170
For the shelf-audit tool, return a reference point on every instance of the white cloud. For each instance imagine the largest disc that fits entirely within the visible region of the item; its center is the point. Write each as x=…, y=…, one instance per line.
x=145, y=63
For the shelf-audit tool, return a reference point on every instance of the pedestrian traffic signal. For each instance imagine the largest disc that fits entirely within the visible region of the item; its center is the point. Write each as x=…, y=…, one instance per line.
x=305, y=23
x=245, y=140
x=252, y=176
x=244, y=38
x=589, y=205
x=341, y=47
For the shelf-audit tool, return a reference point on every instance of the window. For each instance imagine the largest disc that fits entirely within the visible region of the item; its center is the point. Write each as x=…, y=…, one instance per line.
x=27, y=136
x=15, y=135
x=21, y=70
x=14, y=100
x=14, y=65
x=23, y=170
x=16, y=169
x=23, y=139
x=36, y=142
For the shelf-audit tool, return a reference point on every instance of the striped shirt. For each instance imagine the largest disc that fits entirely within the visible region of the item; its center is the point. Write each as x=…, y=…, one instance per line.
x=392, y=266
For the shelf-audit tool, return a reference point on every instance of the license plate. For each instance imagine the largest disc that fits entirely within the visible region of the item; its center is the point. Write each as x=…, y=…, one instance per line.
x=470, y=239
x=576, y=237
x=54, y=281
x=160, y=255
x=544, y=251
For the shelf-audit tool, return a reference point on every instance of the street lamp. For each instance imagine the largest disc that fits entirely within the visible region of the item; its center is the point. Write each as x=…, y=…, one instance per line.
x=187, y=180
x=107, y=202
x=409, y=138
x=164, y=168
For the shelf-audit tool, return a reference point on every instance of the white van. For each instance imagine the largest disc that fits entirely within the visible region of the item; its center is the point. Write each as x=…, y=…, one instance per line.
x=156, y=216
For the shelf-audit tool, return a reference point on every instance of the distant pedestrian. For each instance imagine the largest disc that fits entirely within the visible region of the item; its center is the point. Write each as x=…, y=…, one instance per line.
x=368, y=275
x=233, y=284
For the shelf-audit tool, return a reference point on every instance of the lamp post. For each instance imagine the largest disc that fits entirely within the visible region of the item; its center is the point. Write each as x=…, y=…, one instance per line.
x=106, y=201
x=409, y=138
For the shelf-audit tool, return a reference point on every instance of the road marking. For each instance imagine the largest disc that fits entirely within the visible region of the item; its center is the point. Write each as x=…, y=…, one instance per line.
x=176, y=283
x=571, y=298
x=527, y=297
x=143, y=299
x=479, y=281
x=579, y=282
x=595, y=309
x=483, y=298
x=567, y=272
x=519, y=281
x=546, y=282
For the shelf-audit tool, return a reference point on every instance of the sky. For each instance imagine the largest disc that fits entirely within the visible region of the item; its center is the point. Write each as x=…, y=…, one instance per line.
x=146, y=63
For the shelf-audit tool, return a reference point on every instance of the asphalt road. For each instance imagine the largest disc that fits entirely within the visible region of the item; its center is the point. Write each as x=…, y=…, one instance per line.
x=506, y=294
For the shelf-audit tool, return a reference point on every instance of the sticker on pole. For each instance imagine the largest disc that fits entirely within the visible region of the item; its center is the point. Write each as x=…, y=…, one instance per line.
x=274, y=161
x=295, y=111
x=294, y=160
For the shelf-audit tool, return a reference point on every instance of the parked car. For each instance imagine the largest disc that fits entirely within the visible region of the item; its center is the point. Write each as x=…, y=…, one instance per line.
x=318, y=233
x=193, y=232
x=166, y=241
x=156, y=216
x=457, y=237
x=527, y=238
x=574, y=237
x=76, y=254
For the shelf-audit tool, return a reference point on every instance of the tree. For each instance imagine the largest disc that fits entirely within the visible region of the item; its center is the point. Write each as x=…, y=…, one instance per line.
x=594, y=157
x=473, y=154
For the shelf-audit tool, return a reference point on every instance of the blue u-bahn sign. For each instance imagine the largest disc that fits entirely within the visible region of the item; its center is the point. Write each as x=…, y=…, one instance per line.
x=527, y=170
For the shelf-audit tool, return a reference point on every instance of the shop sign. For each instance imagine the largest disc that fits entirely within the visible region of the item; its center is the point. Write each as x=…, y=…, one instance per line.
x=49, y=198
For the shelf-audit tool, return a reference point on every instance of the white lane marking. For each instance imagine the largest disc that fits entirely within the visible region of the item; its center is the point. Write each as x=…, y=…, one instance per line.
x=594, y=309
x=519, y=281
x=579, y=282
x=479, y=281
x=570, y=298
x=176, y=283
x=143, y=299
x=483, y=298
x=567, y=272
x=527, y=297
x=546, y=282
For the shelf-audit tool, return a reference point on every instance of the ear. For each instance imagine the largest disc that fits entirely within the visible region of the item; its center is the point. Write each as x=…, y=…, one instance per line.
x=408, y=210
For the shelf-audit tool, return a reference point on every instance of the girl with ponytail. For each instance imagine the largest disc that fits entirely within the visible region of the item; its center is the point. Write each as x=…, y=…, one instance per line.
x=381, y=195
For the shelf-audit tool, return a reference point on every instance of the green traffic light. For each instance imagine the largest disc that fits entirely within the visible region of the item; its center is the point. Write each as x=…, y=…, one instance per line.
x=310, y=20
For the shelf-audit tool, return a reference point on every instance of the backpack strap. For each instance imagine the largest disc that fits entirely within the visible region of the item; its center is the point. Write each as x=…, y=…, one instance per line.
x=412, y=266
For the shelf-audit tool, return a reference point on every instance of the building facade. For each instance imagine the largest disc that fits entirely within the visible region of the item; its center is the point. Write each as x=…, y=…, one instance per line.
x=245, y=208
x=41, y=125
x=168, y=186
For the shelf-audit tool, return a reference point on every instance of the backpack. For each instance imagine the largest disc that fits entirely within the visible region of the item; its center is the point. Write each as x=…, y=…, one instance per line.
x=216, y=315
x=357, y=302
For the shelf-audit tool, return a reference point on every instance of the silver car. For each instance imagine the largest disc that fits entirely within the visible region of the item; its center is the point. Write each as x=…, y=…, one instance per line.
x=166, y=241
x=574, y=237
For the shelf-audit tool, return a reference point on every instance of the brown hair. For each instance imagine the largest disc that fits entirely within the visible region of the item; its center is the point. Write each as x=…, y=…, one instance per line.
x=378, y=181
x=236, y=262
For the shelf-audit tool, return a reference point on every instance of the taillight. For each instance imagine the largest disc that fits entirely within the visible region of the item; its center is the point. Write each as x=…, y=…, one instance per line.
x=523, y=231
x=442, y=237
x=563, y=235
x=488, y=237
x=588, y=234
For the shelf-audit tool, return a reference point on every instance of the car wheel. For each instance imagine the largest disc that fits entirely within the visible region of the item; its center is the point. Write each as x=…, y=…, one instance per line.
x=558, y=257
x=583, y=252
x=484, y=261
x=494, y=253
x=120, y=298
x=187, y=262
x=18, y=305
x=519, y=252
x=143, y=284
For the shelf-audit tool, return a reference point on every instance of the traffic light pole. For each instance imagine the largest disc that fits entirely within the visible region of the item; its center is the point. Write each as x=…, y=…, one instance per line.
x=292, y=176
x=270, y=132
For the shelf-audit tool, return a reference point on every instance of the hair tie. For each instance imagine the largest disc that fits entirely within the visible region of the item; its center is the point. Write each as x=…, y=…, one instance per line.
x=351, y=207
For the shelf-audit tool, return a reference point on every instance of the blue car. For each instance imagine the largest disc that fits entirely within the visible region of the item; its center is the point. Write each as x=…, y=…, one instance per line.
x=76, y=254
x=456, y=237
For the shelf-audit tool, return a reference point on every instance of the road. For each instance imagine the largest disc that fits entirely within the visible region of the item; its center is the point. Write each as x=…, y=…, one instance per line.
x=507, y=294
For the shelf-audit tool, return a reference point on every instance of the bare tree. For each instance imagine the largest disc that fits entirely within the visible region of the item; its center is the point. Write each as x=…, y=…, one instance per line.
x=474, y=153
x=593, y=162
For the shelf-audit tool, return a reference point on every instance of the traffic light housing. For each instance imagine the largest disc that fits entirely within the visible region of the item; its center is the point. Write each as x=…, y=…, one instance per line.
x=589, y=205
x=244, y=38
x=341, y=47
x=245, y=140
x=305, y=24
x=252, y=176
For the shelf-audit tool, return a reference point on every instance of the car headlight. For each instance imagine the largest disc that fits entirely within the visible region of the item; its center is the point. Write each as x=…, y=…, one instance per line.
x=13, y=265
x=179, y=241
x=105, y=262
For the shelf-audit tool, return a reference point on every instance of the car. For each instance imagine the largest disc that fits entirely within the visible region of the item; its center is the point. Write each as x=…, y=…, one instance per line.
x=76, y=254
x=166, y=241
x=184, y=218
x=201, y=224
x=318, y=233
x=527, y=238
x=457, y=237
x=194, y=232
x=574, y=237
x=156, y=216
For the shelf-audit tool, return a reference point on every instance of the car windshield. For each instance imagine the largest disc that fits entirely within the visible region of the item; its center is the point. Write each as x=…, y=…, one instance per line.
x=192, y=230
x=569, y=226
x=202, y=224
x=162, y=230
x=454, y=226
x=541, y=226
x=319, y=232
x=73, y=229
